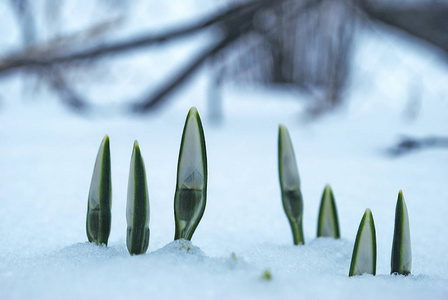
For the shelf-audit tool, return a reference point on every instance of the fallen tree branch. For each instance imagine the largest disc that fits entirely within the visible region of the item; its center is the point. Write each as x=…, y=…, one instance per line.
x=239, y=24
x=45, y=57
x=234, y=23
x=425, y=21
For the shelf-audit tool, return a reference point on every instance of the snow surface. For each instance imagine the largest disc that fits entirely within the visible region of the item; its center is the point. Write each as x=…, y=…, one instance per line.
x=47, y=156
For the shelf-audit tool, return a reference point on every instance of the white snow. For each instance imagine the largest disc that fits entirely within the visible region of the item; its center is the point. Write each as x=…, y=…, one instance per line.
x=47, y=156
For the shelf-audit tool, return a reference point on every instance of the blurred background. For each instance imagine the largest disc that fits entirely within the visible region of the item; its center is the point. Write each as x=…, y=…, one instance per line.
x=133, y=57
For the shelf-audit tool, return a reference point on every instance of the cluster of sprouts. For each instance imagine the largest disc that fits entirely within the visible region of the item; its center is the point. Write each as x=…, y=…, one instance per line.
x=191, y=194
x=364, y=251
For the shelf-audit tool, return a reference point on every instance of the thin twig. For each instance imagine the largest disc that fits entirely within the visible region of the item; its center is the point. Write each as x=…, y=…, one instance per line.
x=426, y=21
x=27, y=59
x=153, y=99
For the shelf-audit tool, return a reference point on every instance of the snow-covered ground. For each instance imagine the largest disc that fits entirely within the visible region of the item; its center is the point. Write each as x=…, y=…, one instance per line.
x=46, y=161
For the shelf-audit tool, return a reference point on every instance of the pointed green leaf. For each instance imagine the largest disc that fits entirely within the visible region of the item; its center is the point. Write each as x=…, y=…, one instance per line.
x=290, y=184
x=364, y=251
x=100, y=197
x=328, y=223
x=191, y=186
x=401, y=261
x=137, y=208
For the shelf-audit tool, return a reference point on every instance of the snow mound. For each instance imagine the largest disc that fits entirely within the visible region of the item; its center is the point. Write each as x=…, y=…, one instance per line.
x=180, y=250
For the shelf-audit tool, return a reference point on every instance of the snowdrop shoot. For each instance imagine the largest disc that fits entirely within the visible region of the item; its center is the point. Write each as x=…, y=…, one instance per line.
x=290, y=184
x=191, y=186
x=137, y=208
x=364, y=251
x=328, y=222
x=100, y=197
x=401, y=261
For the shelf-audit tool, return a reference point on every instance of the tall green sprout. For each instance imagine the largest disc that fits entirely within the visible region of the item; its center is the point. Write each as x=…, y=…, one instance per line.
x=290, y=185
x=100, y=197
x=401, y=261
x=137, y=208
x=191, y=186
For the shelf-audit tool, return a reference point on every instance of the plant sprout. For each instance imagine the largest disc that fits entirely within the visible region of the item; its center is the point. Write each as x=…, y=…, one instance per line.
x=137, y=208
x=191, y=186
x=290, y=185
x=364, y=251
x=401, y=261
x=328, y=223
x=100, y=197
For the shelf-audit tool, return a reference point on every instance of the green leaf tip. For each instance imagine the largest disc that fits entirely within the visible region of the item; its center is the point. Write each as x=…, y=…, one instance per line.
x=266, y=275
x=191, y=187
x=328, y=222
x=290, y=185
x=98, y=220
x=401, y=258
x=137, y=207
x=364, y=251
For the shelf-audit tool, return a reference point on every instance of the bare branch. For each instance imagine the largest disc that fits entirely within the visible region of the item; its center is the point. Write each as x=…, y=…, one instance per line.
x=36, y=58
x=153, y=99
x=239, y=23
x=425, y=21
x=68, y=95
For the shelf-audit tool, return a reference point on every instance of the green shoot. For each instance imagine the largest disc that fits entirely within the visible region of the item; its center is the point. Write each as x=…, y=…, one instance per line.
x=137, y=209
x=364, y=251
x=401, y=261
x=100, y=197
x=290, y=185
x=328, y=223
x=191, y=186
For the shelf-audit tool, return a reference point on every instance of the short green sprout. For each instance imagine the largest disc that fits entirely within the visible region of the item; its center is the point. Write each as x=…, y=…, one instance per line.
x=137, y=208
x=401, y=261
x=328, y=222
x=364, y=251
